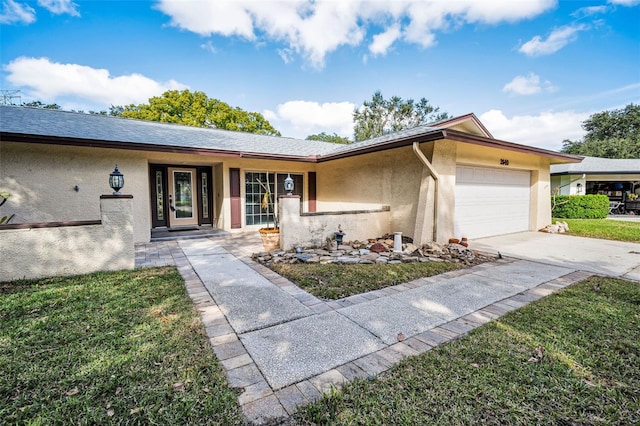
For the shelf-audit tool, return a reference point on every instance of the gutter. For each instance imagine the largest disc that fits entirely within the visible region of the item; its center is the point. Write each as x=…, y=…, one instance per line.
x=435, y=176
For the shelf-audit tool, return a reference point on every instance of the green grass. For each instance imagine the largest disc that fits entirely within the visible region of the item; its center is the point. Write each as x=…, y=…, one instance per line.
x=333, y=281
x=108, y=348
x=589, y=374
x=606, y=229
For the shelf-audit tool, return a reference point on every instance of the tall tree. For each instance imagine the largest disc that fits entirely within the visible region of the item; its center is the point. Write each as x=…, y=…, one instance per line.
x=40, y=104
x=334, y=138
x=610, y=134
x=196, y=109
x=380, y=116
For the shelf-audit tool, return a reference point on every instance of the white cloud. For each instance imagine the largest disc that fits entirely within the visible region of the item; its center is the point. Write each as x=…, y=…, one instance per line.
x=305, y=118
x=315, y=28
x=209, y=47
x=625, y=2
x=528, y=85
x=17, y=13
x=50, y=81
x=558, y=39
x=589, y=11
x=383, y=41
x=546, y=130
x=60, y=7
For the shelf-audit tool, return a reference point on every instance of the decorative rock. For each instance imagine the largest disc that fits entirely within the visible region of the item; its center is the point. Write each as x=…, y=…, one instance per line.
x=378, y=248
x=378, y=253
x=551, y=229
x=460, y=251
x=410, y=248
x=370, y=256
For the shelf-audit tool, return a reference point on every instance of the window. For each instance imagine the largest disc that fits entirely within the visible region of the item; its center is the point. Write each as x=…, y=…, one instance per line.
x=254, y=193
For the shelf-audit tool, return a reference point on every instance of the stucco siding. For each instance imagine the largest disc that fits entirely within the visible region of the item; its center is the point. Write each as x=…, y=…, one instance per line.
x=70, y=250
x=365, y=182
x=41, y=180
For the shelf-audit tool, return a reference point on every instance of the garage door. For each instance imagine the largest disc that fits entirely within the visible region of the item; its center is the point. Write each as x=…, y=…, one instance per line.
x=491, y=201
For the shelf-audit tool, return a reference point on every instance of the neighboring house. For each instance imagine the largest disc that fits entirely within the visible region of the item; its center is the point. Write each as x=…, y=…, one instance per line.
x=615, y=178
x=55, y=164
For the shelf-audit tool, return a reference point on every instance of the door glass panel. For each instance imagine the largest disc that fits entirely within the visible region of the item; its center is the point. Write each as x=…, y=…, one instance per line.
x=184, y=195
x=159, y=196
x=205, y=196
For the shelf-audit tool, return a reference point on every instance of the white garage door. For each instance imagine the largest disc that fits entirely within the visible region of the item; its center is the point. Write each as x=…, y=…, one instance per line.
x=491, y=201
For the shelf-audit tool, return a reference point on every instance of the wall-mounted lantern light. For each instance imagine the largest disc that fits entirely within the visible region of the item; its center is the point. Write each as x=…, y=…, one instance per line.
x=116, y=181
x=579, y=188
x=288, y=184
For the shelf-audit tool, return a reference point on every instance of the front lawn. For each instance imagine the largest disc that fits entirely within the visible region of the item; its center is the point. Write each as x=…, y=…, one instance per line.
x=334, y=281
x=589, y=372
x=606, y=229
x=108, y=348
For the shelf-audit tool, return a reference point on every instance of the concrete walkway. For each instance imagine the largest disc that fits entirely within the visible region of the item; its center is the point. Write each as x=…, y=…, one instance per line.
x=283, y=347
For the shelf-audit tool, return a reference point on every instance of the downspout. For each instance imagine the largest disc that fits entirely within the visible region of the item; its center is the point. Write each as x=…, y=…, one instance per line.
x=435, y=176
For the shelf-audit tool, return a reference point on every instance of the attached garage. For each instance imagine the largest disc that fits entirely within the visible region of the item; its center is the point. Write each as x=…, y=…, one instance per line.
x=491, y=201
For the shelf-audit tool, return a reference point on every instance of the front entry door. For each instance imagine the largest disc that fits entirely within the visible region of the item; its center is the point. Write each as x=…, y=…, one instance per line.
x=183, y=197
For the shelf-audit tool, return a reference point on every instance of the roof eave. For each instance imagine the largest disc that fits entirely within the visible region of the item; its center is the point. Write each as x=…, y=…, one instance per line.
x=458, y=136
x=587, y=172
x=383, y=146
x=136, y=146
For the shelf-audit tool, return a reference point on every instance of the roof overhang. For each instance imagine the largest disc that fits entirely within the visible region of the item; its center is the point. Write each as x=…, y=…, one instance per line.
x=559, y=157
x=93, y=143
x=434, y=135
x=586, y=172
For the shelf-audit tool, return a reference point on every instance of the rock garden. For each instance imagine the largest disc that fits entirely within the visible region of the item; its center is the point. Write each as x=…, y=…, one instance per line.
x=375, y=251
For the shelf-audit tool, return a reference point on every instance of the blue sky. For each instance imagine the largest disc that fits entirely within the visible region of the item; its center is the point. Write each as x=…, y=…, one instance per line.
x=531, y=70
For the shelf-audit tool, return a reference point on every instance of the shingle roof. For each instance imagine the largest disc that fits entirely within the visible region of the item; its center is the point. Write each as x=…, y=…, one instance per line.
x=595, y=165
x=36, y=125
x=64, y=124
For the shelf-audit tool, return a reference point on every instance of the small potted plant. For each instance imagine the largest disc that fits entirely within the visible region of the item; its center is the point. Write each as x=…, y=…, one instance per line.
x=271, y=234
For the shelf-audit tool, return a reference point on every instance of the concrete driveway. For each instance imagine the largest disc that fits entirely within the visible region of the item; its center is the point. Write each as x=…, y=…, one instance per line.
x=604, y=257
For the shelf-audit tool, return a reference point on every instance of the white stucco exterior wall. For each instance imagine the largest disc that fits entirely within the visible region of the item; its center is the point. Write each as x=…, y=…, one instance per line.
x=312, y=230
x=70, y=250
x=41, y=180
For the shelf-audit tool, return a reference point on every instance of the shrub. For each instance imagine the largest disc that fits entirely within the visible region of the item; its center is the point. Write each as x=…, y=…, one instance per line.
x=580, y=206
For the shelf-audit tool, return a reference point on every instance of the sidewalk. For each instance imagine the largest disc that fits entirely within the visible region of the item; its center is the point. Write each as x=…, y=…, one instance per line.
x=283, y=346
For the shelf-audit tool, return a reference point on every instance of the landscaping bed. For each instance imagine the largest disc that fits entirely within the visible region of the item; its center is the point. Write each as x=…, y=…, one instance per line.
x=335, y=272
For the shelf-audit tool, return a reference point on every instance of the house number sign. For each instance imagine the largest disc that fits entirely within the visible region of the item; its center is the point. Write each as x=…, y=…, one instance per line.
x=504, y=162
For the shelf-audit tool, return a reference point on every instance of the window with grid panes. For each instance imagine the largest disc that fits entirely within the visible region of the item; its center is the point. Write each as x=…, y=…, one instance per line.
x=254, y=213
x=254, y=192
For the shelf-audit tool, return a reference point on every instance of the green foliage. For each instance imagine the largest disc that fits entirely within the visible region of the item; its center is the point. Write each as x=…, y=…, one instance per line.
x=610, y=134
x=606, y=229
x=332, y=281
x=334, y=138
x=108, y=349
x=40, y=104
x=196, y=109
x=581, y=206
x=380, y=116
x=4, y=196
